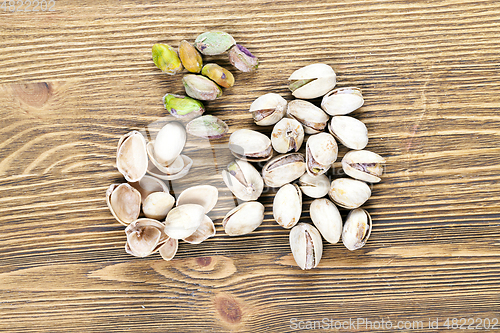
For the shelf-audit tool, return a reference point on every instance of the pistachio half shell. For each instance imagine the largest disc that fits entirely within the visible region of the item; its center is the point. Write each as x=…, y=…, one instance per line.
x=349, y=193
x=190, y=57
x=283, y=169
x=186, y=161
x=218, y=74
x=203, y=195
x=183, y=107
x=321, y=152
x=363, y=165
x=250, y=145
x=200, y=87
x=243, y=180
x=204, y=231
x=306, y=245
x=342, y=101
x=182, y=221
x=214, y=42
x=326, y=217
x=157, y=205
x=310, y=116
x=268, y=109
x=314, y=186
x=244, y=218
x=124, y=202
x=312, y=81
x=287, y=205
x=144, y=236
x=357, y=229
x=351, y=132
x=287, y=135
x=149, y=184
x=166, y=59
x=131, y=157
x=169, y=249
x=241, y=58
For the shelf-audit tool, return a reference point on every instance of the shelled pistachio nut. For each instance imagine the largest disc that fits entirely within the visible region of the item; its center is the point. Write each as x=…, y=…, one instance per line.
x=287, y=205
x=321, y=152
x=268, y=109
x=157, y=205
x=182, y=106
x=182, y=221
x=349, y=193
x=170, y=174
x=214, y=42
x=218, y=74
x=242, y=59
x=342, y=101
x=357, y=229
x=208, y=126
x=149, y=184
x=204, y=231
x=190, y=57
x=144, y=237
x=306, y=245
x=351, y=132
x=243, y=180
x=287, y=135
x=326, y=217
x=124, y=202
x=131, y=156
x=312, y=81
x=168, y=145
x=200, y=87
x=314, y=186
x=283, y=169
x=169, y=249
x=166, y=59
x=310, y=116
x=363, y=165
x=203, y=195
x=250, y=145
x=244, y=218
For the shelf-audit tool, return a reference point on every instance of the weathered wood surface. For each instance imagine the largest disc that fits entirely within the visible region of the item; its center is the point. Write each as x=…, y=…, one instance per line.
x=74, y=80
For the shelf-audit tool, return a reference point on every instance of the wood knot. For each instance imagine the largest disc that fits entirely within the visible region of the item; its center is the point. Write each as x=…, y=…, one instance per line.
x=228, y=308
x=32, y=94
x=204, y=261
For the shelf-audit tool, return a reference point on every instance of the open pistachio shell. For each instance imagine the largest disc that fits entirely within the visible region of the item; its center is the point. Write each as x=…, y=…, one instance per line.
x=351, y=132
x=363, y=165
x=244, y=218
x=268, y=109
x=349, y=193
x=203, y=195
x=131, y=157
x=326, y=217
x=306, y=245
x=154, y=171
x=321, y=152
x=169, y=143
x=124, y=202
x=243, y=180
x=287, y=135
x=214, y=42
x=287, y=205
x=204, y=231
x=169, y=249
x=149, y=184
x=342, y=101
x=144, y=236
x=309, y=115
x=219, y=75
x=312, y=81
x=157, y=205
x=283, y=169
x=208, y=126
x=182, y=221
x=250, y=145
x=314, y=186
x=190, y=57
x=357, y=229
x=200, y=87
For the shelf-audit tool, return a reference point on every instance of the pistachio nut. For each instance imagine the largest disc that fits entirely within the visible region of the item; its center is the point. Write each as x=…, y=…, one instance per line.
x=182, y=221
x=157, y=205
x=287, y=205
x=351, y=132
x=310, y=116
x=250, y=145
x=214, y=42
x=244, y=218
x=166, y=59
x=314, y=186
x=287, y=135
x=363, y=165
x=131, y=156
x=241, y=58
x=144, y=236
x=182, y=106
x=204, y=231
x=200, y=87
x=283, y=169
x=203, y=195
x=312, y=81
x=342, y=101
x=168, y=144
x=326, y=217
x=306, y=245
x=268, y=109
x=243, y=180
x=190, y=57
x=357, y=229
x=169, y=249
x=208, y=126
x=124, y=202
x=149, y=184
x=170, y=174
x=349, y=193
x=219, y=75
x=321, y=152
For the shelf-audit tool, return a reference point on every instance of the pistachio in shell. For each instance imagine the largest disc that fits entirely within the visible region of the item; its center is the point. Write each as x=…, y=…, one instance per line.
x=268, y=109
x=287, y=205
x=342, y=101
x=214, y=42
x=244, y=218
x=350, y=131
x=124, y=202
x=207, y=126
x=363, y=165
x=357, y=229
x=242, y=59
x=309, y=115
x=182, y=221
x=131, y=156
x=287, y=135
x=312, y=81
x=326, y=217
x=349, y=193
x=314, y=186
x=283, y=169
x=243, y=180
x=306, y=245
x=190, y=57
x=183, y=107
x=321, y=152
x=166, y=59
x=200, y=87
x=250, y=145
x=219, y=75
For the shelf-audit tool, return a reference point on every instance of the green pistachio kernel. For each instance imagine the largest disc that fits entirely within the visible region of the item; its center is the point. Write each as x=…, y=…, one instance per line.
x=218, y=74
x=166, y=59
x=182, y=106
x=214, y=42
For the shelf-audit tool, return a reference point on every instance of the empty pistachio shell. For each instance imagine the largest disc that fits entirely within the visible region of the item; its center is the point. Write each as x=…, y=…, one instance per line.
x=268, y=109
x=203, y=195
x=182, y=106
x=200, y=87
x=250, y=145
x=342, y=101
x=131, y=157
x=204, y=231
x=310, y=116
x=166, y=59
x=287, y=205
x=351, y=132
x=124, y=202
x=321, y=152
x=306, y=245
x=242, y=59
x=157, y=205
x=243, y=180
x=182, y=221
x=169, y=249
x=244, y=218
x=149, y=184
x=219, y=75
x=214, y=42
x=357, y=229
x=314, y=186
x=144, y=236
x=154, y=171
x=326, y=217
x=208, y=126
x=287, y=135
x=312, y=81
x=283, y=169
x=168, y=144
x=349, y=193
x=190, y=57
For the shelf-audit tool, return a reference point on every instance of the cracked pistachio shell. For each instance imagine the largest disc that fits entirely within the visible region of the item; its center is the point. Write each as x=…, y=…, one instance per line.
x=287, y=205
x=268, y=109
x=190, y=57
x=363, y=165
x=287, y=135
x=168, y=144
x=219, y=75
x=200, y=87
x=144, y=236
x=306, y=245
x=131, y=156
x=312, y=81
x=349, y=193
x=309, y=115
x=204, y=231
x=283, y=169
x=357, y=229
x=242, y=59
x=351, y=132
x=214, y=42
x=166, y=59
x=203, y=195
x=149, y=184
x=169, y=249
x=182, y=221
x=157, y=205
x=326, y=217
x=250, y=145
x=208, y=126
x=314, y=186
x=243, y=180
x=244, y=218
x=183, y=107
x=169, y=173
x=321, y=152
x=124, y=202
x=342, y=101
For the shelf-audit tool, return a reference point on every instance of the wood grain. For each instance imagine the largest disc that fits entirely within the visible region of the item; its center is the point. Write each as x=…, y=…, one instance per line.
x=74, y=80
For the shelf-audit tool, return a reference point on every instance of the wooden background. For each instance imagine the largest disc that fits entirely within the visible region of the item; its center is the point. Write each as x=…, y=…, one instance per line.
x=74, y=80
